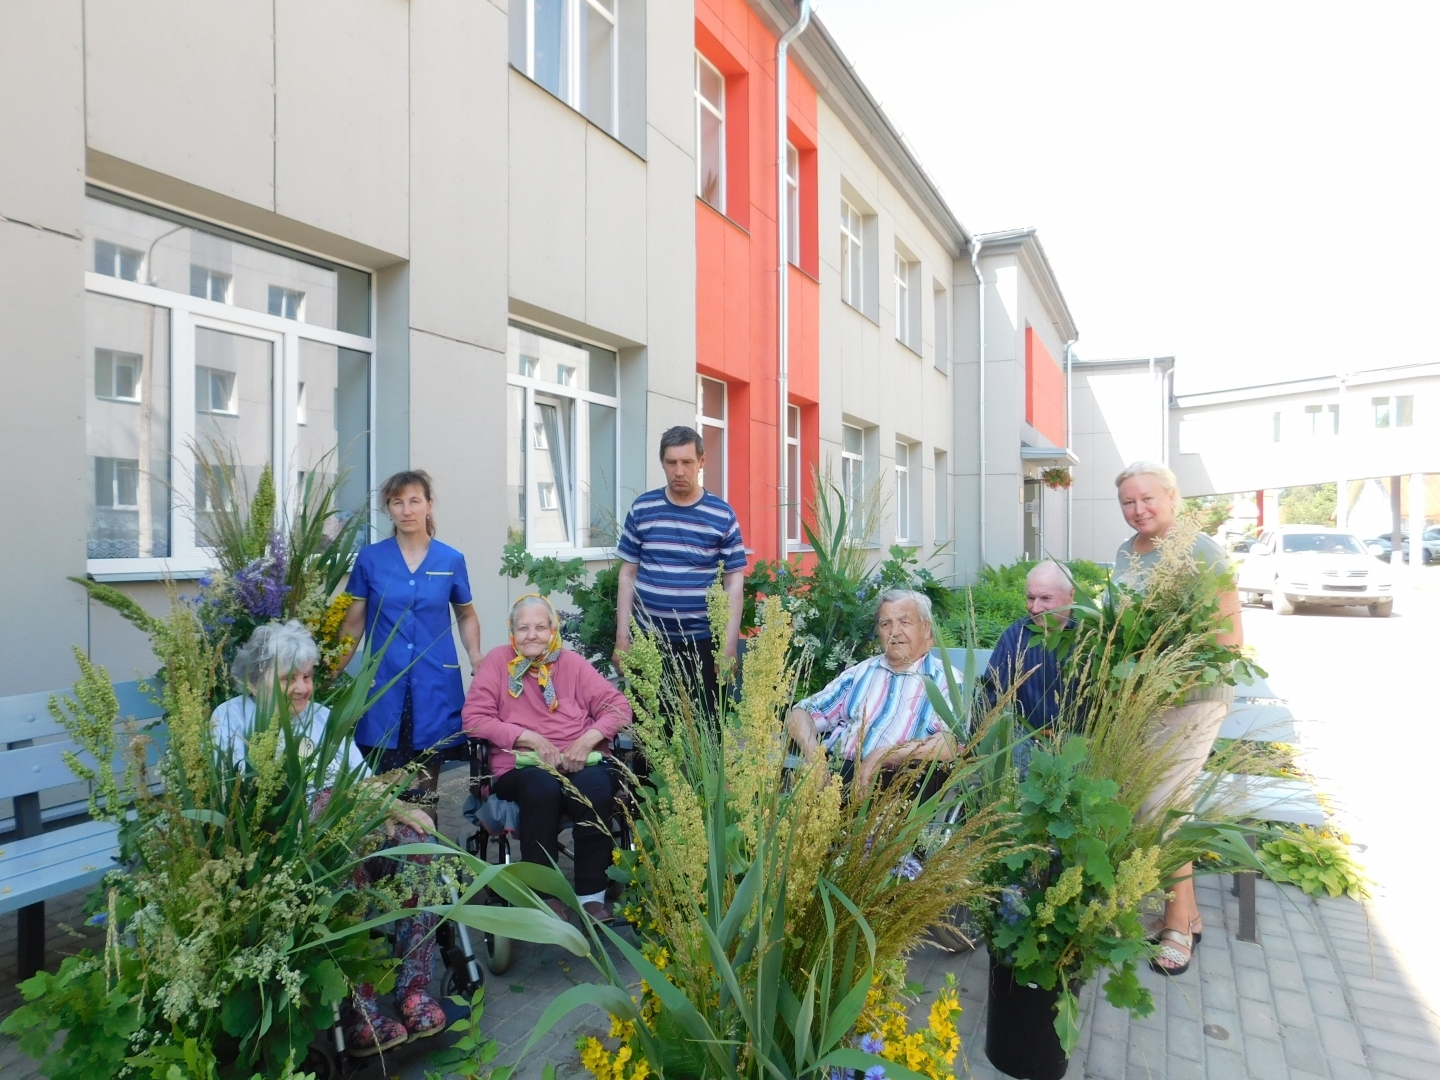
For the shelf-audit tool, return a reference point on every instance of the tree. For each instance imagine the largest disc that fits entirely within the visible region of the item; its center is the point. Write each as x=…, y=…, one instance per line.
x=1213, y=510
x=1311, y=504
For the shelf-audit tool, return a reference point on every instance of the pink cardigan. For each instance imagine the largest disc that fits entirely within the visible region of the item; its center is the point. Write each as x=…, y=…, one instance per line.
x=584, y=699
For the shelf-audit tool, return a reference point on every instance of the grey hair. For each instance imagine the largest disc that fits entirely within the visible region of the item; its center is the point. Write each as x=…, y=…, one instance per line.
x=898, y=596
x=681, y=436
x=274, y=649
x=531, y=600
x=1052, y=564
x=1155, y=469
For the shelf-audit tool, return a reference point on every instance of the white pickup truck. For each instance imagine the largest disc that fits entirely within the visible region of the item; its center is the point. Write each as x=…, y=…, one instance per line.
x=1312, y=564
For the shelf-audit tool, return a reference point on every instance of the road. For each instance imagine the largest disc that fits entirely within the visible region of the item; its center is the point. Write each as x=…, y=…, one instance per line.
x=1367, y=699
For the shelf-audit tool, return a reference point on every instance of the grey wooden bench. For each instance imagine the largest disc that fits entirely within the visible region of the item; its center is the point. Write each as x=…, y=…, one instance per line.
x=1259, y=715
x=56, y=848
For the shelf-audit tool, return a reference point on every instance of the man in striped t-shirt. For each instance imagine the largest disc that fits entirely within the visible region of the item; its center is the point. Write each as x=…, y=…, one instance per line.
x=675, y=540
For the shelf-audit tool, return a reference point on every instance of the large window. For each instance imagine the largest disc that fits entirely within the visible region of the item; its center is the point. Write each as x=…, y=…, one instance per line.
x=792, y=205
x=1323, y=419
x=852, y=229
x=711, y=406
x=709, y=133
x=902, y=299
x=570, y=47
x=177, y=312
x=942, y=497
x=1393, y=411
x=562, y=462
x=942, y=327
x=793, y=531
x=852, y=477
x=904, y=527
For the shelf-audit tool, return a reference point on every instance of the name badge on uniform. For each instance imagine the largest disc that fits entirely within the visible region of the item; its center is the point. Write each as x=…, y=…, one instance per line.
x=440, y=573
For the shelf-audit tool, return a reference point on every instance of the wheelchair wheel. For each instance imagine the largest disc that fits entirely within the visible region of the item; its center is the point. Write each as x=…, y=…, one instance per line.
x=497, y=954
x=321, y=1062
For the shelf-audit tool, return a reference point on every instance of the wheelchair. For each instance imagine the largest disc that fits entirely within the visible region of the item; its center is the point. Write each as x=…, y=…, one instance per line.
x=497, y=824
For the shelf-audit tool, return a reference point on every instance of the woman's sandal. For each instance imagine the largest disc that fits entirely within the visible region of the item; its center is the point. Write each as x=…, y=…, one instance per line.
x=1172, y=954
x=1197, y=931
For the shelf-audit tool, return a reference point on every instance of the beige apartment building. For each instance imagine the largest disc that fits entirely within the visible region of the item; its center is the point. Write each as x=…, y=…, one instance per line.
x=461, y=235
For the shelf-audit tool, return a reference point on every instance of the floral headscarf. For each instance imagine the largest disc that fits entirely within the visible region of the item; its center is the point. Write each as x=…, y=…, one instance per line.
x=522, y=664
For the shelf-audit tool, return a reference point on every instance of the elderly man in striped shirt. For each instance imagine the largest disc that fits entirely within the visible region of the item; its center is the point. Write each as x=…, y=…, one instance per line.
x=877, y=713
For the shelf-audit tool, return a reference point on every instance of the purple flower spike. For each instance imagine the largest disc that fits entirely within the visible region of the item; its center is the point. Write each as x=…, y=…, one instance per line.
x=260, y=587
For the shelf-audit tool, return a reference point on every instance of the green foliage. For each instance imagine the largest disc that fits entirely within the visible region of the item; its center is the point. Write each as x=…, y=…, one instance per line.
x=1310, y=504
x=1316, y=860
x=266, y=572
x=236, y=923
x=1210, y=511
x=997, y=599
x=591, y=632
x=1067, y=896
x=832, y=594
x=468, y=1055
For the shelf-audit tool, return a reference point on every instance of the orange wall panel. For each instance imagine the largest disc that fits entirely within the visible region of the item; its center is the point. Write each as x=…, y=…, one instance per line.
x=1044, y=390
x=736, y=267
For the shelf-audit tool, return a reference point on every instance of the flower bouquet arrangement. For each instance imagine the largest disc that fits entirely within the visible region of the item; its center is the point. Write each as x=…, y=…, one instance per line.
x=268, y=571
x=773, y=912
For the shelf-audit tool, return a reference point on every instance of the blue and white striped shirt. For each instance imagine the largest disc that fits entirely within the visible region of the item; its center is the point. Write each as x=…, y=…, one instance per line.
x=679, y=549
x=891, y=707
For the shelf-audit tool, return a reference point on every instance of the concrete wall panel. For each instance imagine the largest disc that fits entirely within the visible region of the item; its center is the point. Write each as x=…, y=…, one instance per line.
x=459, y=176
x=42, y=114
x=616, y=236
x=449, y=382
x=670, y=272
x=42, y=311
x=547, y=200
x=185, y=89
x=342, y=107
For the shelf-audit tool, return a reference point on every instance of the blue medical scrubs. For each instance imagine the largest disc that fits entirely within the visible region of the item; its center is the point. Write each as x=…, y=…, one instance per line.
x=415, y=605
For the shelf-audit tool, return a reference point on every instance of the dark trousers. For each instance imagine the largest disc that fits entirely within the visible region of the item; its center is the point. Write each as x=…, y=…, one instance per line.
x=542, y=799
x=693, y=660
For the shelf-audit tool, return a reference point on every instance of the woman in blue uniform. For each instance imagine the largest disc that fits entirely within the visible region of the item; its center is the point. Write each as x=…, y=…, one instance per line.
x=408, y=586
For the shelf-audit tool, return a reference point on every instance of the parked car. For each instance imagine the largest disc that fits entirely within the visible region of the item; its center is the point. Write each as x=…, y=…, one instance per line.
x=1380, y=547
x=1242, y=545
x=1312, y=564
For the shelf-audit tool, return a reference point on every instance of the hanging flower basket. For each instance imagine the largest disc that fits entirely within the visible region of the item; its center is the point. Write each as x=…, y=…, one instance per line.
x=1057, y=477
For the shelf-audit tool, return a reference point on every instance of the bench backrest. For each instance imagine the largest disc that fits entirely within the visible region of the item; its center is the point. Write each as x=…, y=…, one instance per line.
x=27, y=769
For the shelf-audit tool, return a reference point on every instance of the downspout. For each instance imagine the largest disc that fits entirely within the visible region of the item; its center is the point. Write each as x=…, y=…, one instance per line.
x=1069, y=445
x=975, y=244
x=782, y=233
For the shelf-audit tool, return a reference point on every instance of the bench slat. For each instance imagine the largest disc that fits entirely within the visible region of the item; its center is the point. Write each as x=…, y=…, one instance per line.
x=33, y=769
x=47, y=849
x=1263, y=798
x=27, y=716
x=80, y=865
x=1260, y=723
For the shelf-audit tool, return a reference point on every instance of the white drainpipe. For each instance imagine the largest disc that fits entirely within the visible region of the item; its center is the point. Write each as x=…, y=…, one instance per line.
x=782, y=321
x=975, y=243
x=1069, y=445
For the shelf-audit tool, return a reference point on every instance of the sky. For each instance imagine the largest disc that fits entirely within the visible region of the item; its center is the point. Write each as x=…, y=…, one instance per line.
x=1249, y=187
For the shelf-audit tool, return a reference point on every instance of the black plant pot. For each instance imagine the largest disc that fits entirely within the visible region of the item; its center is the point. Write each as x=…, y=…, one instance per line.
x=1020, y=1037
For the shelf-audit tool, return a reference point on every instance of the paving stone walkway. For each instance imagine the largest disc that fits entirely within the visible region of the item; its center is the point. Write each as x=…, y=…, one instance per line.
x=1321, y=996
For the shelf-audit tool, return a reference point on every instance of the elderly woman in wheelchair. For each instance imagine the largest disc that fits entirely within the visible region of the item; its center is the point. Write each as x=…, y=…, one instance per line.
x=544, y=710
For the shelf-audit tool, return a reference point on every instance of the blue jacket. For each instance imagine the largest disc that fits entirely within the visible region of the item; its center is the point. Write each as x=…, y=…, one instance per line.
x=1021, y=654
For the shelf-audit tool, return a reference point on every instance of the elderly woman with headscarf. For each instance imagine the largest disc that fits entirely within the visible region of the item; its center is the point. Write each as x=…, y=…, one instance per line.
x=1150, y=499
x=282, y=656
x=534, y=695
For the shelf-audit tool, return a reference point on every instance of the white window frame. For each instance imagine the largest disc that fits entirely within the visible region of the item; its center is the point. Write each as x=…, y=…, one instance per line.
x=702, y=103
x=211, y=274
x=1391, y=404
x=579, y=442
x=852, y=255
x=722, y=421
x=902, y=298
x=904, y=523
x=1324, y=419
x=572, y=67
x=852, y=481
x=792, y=204
x=794, y=529
x=134, y=399
x=187, y=314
